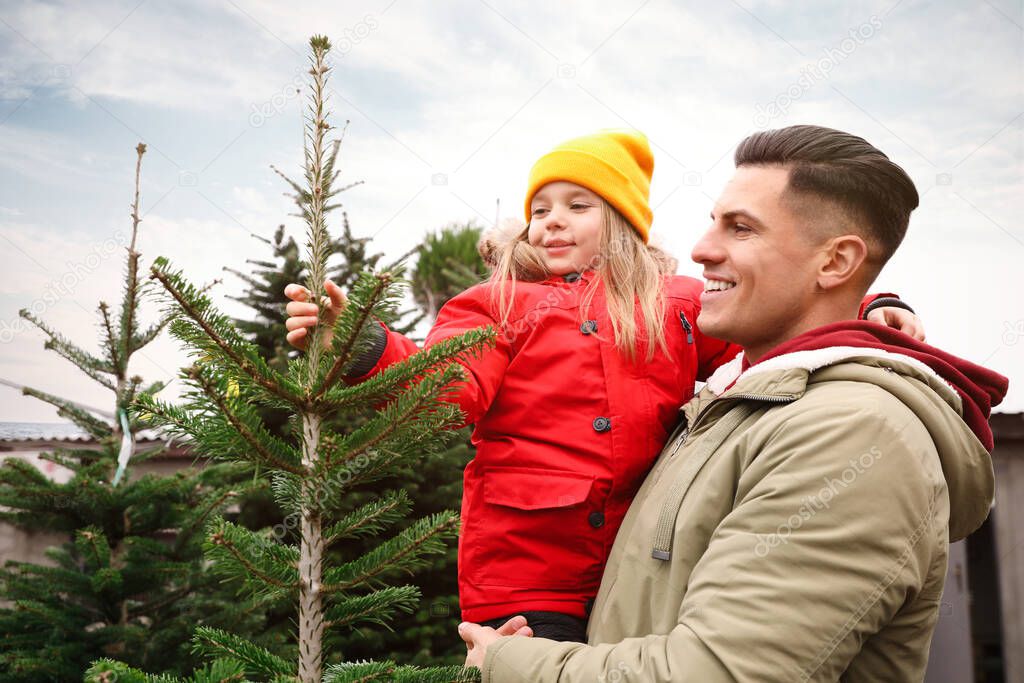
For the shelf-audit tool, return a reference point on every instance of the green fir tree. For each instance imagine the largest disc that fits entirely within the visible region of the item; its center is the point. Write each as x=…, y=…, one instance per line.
x=130, y=580
x=314, y=468
x=429, y=483
x=447, y=263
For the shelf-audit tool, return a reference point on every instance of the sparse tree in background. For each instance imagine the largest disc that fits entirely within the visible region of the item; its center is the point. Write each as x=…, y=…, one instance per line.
x=129, y=582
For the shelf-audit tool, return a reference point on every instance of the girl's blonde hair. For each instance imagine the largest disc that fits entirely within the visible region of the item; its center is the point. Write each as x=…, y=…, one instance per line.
x=632, y=273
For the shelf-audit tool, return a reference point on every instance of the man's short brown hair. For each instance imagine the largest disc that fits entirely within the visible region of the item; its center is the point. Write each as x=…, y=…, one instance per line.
x=844, y=170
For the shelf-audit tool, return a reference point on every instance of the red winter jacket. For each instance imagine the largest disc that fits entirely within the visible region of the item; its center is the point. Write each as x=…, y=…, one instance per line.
x=566, y=429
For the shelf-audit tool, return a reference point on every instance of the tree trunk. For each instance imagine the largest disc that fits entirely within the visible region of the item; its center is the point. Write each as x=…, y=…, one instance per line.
x=311, y=558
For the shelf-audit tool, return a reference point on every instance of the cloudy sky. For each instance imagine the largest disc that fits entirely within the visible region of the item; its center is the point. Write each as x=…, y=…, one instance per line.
x=450, y=102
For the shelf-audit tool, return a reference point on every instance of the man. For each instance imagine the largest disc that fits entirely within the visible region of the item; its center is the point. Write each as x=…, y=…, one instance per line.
x=796, y=527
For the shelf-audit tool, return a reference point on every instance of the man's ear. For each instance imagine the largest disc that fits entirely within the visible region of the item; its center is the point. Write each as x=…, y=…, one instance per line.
x=843, y=260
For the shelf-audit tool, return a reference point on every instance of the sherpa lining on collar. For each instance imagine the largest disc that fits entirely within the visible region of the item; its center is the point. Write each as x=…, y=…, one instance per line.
x=811, y=360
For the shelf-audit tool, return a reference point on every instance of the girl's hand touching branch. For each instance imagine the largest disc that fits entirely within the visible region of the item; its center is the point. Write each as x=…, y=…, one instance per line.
x=302, y=314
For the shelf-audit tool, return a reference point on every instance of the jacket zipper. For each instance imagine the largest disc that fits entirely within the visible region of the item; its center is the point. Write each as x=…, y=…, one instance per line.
x=737, y=413
x=687, y=327
x=751, y=397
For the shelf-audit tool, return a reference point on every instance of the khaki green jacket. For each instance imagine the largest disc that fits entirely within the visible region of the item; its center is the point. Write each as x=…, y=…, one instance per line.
x=798, y=530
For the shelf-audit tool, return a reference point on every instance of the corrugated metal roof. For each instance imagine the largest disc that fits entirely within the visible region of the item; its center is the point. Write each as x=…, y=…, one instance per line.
x=58, y=431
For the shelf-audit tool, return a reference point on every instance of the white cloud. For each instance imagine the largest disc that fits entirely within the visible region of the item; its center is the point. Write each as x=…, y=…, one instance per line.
x=50, y=157
x=188, y=56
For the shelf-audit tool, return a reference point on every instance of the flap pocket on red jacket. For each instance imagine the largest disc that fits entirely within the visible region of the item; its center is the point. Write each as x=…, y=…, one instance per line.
x=530, y=488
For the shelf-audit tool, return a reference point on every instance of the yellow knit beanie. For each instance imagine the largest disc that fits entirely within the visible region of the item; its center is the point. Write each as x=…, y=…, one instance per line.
x=615, y=164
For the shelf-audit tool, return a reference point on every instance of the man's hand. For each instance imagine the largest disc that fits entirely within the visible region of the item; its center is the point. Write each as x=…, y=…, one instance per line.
x=898, y=319
x=478, y=637
x=302, y=315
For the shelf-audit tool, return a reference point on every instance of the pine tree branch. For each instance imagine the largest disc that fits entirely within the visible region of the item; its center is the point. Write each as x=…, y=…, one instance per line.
x=57, y=579
x=136, y=425
x=256, y=660
x=29, y=500
x=249, y=567
x=260, y=376
x=46, y=613
x=151, y=607
x=128, y=391
x=153, y=388
x=378, y=607
x=328, y=167
x=214, y=435
x=151, y=333
x=386, y=384
x=233, y=548
x=111, y=671
x=85, y=361
x=369, y=519
x=111, y=340
x=59, y=458
x=299, y=191
x=360, y=672
x=401, y=552
x=356, y=183
x=244, y=428
x=373, y=672
x=18, y=472
x=396, y=418
x=95, y=427
x=92, y=542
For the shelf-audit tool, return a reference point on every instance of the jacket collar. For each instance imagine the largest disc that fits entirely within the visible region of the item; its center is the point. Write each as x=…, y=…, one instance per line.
x=786, y=376
x=585, y=277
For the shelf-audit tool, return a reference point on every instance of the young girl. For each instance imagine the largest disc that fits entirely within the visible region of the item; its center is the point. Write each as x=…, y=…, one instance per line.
x=596, y=351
